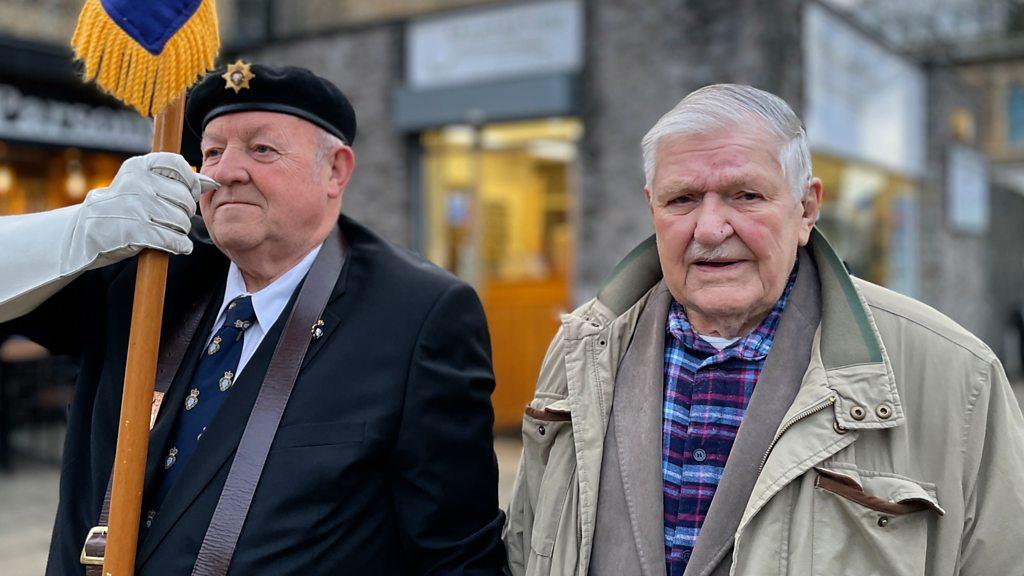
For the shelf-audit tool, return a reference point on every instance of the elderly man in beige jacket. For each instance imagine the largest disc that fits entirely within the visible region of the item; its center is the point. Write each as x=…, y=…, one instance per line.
x=734, y=402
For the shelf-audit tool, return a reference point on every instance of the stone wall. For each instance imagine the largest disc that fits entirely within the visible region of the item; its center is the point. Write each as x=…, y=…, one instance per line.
x=1005, y=246
x=954, y=265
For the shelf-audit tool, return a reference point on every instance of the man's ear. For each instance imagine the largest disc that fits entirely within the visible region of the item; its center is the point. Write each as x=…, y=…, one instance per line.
x=811, y=209
x=342, y=165
x=647, y=196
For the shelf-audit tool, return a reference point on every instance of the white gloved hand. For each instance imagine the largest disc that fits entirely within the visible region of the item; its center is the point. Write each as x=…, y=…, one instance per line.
x=148, y=205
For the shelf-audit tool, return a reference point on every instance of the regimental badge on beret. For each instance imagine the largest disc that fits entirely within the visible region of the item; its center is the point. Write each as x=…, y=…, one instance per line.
x=237, y=76
x=281, y=90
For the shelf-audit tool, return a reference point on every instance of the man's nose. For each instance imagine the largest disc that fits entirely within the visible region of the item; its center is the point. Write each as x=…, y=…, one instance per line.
x=229, y=168
x=713, y=224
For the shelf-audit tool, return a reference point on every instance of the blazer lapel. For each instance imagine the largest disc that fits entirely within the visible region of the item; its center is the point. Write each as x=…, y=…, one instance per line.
x=637, y=414
x=219, y=441
x=328, y=320
x=774, y=392
x=175, y=394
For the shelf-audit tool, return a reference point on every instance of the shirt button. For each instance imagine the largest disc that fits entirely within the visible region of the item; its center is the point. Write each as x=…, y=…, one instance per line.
x=700, y=455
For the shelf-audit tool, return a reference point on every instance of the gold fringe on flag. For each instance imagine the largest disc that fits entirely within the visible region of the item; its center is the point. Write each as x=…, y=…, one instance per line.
x=127, y=71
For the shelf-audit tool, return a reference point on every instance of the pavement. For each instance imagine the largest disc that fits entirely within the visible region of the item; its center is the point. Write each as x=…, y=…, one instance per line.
x=28, y=503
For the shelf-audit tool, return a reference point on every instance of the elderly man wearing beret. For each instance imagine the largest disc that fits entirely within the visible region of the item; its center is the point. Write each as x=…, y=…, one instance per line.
x=323, y=397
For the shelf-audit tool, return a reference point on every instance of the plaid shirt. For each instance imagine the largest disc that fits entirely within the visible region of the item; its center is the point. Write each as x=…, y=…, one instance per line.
x=706, y=395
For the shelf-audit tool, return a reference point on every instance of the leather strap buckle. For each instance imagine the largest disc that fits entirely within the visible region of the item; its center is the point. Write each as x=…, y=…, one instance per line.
x=95, y=543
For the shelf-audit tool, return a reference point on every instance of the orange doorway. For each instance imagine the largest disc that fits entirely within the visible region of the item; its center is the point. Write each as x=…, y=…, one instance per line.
x=498, y=210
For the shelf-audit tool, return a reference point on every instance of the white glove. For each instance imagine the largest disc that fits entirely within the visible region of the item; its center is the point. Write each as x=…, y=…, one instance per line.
x=148, y=205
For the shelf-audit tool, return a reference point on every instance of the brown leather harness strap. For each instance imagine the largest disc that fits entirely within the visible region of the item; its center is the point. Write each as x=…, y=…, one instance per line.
x=172, y=351
x=233, y=506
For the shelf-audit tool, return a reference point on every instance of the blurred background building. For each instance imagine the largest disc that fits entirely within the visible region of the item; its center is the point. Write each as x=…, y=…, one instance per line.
x=501, y=140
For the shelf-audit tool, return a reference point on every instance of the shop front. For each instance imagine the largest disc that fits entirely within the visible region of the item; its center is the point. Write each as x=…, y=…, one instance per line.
x=490, y=104
x=865, y=113
x=58, y=139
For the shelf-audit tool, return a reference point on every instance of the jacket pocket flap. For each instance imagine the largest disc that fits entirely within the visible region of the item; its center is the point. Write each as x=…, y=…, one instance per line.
x=547, y=414
x=886, y=494
x=560, y=406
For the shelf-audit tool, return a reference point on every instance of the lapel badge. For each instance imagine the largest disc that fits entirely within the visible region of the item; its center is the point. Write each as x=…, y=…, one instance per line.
x=226, y=381
x=171, y=457
x=317, y=329
x=237, y=76
x=214, y=346
x=192, y=400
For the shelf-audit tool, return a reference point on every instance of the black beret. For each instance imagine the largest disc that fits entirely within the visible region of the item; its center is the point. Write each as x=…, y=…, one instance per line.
x=242, y=87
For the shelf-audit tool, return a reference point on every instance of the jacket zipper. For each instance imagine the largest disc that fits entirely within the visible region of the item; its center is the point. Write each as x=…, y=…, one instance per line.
x=789, y=423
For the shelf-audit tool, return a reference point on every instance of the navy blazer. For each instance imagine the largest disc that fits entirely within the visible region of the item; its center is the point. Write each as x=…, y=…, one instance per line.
x=383, y=462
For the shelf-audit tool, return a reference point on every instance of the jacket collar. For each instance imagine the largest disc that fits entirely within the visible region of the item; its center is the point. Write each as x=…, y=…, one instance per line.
x=856, y=366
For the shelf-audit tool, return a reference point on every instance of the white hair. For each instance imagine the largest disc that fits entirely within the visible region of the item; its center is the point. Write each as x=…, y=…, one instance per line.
x=722, y=106
x=325, y=143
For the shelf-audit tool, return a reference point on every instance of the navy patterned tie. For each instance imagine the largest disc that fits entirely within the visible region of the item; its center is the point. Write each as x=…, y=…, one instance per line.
x=211, y=383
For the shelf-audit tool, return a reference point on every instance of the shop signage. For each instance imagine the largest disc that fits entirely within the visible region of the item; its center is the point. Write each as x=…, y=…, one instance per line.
x=34, y=119
x=497, y=43
x=864, y=102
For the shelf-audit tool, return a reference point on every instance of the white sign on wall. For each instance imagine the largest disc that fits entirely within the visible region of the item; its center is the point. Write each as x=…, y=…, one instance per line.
x=24, y=117
x=863, y=101
x=967, y=191
x=492, y=44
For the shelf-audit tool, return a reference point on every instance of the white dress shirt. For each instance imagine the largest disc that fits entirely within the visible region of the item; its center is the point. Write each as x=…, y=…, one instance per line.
x=268, y=303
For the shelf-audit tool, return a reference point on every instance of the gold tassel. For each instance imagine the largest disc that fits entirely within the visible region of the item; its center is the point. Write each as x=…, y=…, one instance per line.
x=127, y=71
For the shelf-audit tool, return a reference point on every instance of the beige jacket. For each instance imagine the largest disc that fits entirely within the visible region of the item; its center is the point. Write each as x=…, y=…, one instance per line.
x=900, y=453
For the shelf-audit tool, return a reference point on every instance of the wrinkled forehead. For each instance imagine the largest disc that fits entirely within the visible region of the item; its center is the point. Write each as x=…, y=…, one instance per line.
x=730, y=153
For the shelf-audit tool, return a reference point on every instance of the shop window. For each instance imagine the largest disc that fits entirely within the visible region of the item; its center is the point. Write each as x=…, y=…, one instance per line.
x=497, y=213
x=870, y=216
x=37, y=178
x=497, y=199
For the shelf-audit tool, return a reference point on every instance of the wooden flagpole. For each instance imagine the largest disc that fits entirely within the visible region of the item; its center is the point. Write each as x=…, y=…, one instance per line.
x=113, y=39
x=139, y=378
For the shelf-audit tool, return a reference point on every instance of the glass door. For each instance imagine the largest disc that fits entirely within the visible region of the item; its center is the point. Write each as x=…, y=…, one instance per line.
x=498, y=211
